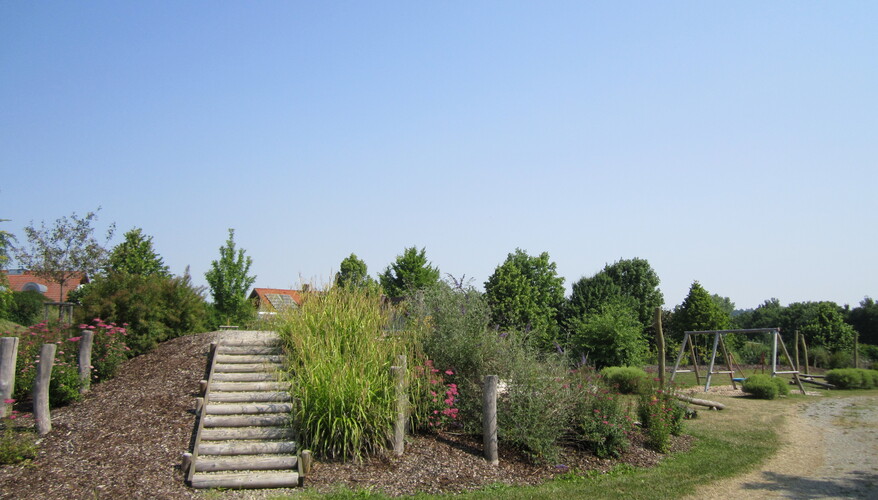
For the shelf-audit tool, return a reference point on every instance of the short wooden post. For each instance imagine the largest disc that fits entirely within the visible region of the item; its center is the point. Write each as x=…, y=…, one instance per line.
x=489, y=419
x=398, y=373
x=85, y=345
x=796, y=337
x=8, y=356
x=41, y=389
x=660, y=346
x=805, y=352
x=856, y=350
x=306, y=462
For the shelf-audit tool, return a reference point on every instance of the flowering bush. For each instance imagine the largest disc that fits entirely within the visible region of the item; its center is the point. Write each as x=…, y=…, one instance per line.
x=660, y=416
x=108, y=352
x=434, y=398
x=602, y=424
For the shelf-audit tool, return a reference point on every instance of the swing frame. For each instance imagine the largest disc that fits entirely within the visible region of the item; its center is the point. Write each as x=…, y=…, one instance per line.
x=719, y=342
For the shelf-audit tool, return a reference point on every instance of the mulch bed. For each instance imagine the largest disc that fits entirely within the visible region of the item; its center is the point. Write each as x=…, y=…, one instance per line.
x=124, y=440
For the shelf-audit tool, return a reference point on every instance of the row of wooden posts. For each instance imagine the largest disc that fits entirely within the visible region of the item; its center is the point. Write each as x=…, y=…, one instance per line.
x=8, y=357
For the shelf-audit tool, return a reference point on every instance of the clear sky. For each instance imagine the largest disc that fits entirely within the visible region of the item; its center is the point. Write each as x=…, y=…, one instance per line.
x=734, y=143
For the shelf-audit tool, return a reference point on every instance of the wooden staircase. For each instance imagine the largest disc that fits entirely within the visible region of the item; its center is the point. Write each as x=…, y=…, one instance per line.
x=243, y=438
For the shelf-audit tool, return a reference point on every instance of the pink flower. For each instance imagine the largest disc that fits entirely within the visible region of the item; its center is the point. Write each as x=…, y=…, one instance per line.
x=449, y=372
x=9, y=401
x=74, y=339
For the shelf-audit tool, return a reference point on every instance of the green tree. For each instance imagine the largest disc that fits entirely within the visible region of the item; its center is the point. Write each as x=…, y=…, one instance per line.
x=410, y=272
x=135, y=255
x=65, y=250
x=822, y=324
x=525, y=293
x=352, y=272
x=700, y=311
x=229, y=282
x=864, y=319
x=632, y=281
x=611, y=337
x=6, y=299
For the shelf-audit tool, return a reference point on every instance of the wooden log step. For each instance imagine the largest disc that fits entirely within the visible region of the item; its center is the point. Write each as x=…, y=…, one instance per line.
x=242, y=368
x=246, y=447
x=244, y=377
x=248, y=397
x=249, y=386
x=245, y=462
x=246, y=480
x=222, y=434
x=257, y=342
x=276, y=420
x=249, y=409
x=249, y=349
x=250, y=358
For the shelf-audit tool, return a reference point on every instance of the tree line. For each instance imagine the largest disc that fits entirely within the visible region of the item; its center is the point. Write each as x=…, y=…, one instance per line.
x=607, y=320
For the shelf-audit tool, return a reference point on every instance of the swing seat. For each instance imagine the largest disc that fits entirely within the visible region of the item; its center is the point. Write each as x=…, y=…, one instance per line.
x=739, y=379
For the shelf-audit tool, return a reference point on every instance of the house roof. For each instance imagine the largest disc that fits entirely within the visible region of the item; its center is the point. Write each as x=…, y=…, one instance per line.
x=19, y=278
x=274, y=298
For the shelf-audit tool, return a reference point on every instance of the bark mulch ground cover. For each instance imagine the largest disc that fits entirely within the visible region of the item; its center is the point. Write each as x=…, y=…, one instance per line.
x=124, y=440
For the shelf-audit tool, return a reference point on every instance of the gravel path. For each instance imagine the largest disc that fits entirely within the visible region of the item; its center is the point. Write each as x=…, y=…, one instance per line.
x=830, y=451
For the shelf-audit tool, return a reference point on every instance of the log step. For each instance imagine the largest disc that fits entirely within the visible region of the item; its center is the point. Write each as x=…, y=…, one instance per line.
x=248, y=349
x=276, y=420
x=244, y=377
x=249, y=409
x=244, y=462
x=249, y=386
x=244, y=368
x=263, y=342
x=250, y=358
x=248, y=397
x=246, y=480
x=221, y=433
x=246, y=447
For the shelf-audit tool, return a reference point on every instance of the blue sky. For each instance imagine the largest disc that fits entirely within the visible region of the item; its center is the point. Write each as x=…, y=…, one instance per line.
x=732, y=143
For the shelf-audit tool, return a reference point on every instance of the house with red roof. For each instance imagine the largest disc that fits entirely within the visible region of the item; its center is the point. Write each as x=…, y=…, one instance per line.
x=22, y=280
x=276, y=299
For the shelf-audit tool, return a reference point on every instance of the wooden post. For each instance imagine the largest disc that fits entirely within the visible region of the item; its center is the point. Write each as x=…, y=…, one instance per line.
x=856, y=350
x=85, y=345
x=8, y=356
x=41, y=389
x=796, y=337
x=805, y=352
x=660, y=346
x=398, y=375
x=306, y=462
x=694, y=359
x=489, y=419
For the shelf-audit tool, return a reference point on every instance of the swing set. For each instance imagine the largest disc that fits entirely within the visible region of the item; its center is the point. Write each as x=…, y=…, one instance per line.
x=719, y=343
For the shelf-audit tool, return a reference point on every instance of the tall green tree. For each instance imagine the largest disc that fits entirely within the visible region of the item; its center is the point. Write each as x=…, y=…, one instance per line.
x=136, y=255
x=352, y=273
x=864, y=319
x=699, y=311
x=65, y=250
x=630, y=281
x=6, y=300
x=525, y=293
x=611, y=337
x=410, y=272
x=229, y=282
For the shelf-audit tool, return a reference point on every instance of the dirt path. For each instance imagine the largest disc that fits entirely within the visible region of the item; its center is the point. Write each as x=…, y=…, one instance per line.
x=830, y=450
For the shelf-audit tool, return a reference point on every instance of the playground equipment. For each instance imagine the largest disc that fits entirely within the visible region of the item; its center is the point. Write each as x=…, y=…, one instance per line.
x=719, y=343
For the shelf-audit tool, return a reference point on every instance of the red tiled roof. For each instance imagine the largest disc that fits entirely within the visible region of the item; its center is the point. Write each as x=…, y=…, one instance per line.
x=262, y=301
x=53, y=292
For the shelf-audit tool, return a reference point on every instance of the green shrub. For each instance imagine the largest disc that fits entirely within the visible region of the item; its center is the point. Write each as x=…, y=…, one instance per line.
x=27, y=307
x=16, y=444
x=765, y=387
x=840, y=359
x=64, y=385
x=752, y=353
x=155, y=308
x=661, y=416
x=626, y=379
x=853, y=378
x=602, y=424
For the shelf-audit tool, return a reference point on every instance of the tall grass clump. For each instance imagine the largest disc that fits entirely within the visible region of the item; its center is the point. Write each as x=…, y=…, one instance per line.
x=340, y=354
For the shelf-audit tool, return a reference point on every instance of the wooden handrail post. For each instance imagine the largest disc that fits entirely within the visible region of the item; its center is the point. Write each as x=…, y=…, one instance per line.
x=398, y=374
x=8, y=356
x=85, y=345
x=489, y=419
x=41, y=389
x=660, y=346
